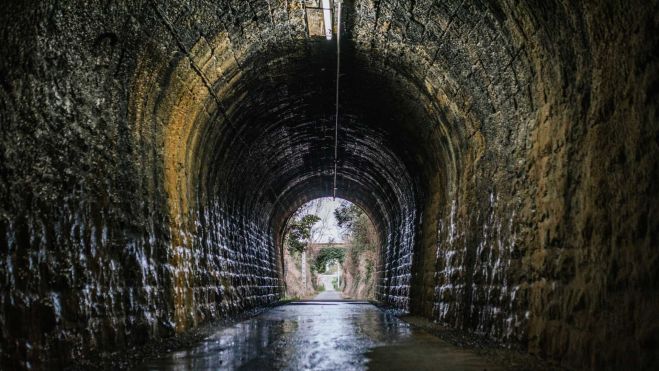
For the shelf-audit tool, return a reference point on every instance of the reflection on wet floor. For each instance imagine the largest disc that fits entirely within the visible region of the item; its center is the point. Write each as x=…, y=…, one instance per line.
x=321, y=336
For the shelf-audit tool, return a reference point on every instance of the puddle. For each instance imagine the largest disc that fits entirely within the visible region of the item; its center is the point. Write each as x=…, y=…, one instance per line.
x=323, y=336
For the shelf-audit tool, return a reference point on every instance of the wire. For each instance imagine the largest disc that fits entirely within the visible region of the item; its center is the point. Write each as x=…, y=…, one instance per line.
x=336, y=112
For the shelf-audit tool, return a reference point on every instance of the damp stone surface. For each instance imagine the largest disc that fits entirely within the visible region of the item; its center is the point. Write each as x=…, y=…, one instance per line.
x=507, y=152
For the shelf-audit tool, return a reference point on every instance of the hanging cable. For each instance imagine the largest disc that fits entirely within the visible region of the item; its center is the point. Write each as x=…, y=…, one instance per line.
x=336, y=112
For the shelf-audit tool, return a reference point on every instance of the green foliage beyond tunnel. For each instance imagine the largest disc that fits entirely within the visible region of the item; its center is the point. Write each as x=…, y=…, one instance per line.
x=358, y=230
x=359, y=268
x=327, y=255
x=299, y=232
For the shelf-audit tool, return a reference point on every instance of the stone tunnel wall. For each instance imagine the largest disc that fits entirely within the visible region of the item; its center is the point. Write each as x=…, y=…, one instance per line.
x=93, y=259
x=528, y=213
x=546, y=223
x=547, y=236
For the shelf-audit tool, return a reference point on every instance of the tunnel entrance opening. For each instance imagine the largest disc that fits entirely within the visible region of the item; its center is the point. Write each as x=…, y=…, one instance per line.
x=330, y=246
x=319, y=18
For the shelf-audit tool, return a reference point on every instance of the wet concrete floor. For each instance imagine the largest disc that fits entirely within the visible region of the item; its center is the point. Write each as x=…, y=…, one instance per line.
x=316, y=335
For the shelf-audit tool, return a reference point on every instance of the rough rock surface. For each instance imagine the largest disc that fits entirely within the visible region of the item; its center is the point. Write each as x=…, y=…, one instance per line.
x=150, y=152
x=296, y=288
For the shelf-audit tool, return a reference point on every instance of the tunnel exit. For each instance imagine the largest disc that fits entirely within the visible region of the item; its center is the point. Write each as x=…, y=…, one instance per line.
x=331, y=249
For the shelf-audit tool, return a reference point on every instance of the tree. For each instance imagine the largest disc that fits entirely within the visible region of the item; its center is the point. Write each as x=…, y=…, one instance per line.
x=346, y=215
x=327, y=255
x=299, y=232
x=355, y=225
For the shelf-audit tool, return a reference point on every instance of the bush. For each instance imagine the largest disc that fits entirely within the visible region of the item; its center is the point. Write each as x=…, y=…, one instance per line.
x=335, y=283
x=325, y=256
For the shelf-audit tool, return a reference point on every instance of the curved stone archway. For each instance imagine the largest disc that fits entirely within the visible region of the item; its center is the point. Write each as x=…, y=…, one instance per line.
x=151, y=153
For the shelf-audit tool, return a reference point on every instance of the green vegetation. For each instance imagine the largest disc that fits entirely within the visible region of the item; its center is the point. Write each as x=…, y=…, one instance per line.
x=369, y=270
x=299, y=232
x=347, y=215
x=355, y=225
x=325, y=256
x=362, y=255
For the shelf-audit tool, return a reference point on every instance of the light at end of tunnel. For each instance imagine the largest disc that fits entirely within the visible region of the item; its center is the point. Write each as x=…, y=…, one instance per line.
x=327, y=17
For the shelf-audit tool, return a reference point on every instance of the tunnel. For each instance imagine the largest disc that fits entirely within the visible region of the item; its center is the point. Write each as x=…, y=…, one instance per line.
x=506, y=152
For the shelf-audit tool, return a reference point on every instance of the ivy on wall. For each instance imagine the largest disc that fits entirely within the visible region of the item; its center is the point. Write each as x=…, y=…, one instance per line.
x=327, y=255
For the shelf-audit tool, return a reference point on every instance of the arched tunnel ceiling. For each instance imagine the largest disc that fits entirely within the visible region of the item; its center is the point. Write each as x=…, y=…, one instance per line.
x=428, y=91
x=266, y=136
x=288, y=139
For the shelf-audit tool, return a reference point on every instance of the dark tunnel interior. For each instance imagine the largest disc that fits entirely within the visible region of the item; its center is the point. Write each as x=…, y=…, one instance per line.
x=507, y=154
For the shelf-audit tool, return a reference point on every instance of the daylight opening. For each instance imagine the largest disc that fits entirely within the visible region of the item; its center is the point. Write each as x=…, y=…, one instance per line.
x=319, y=17
x=331, y=252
